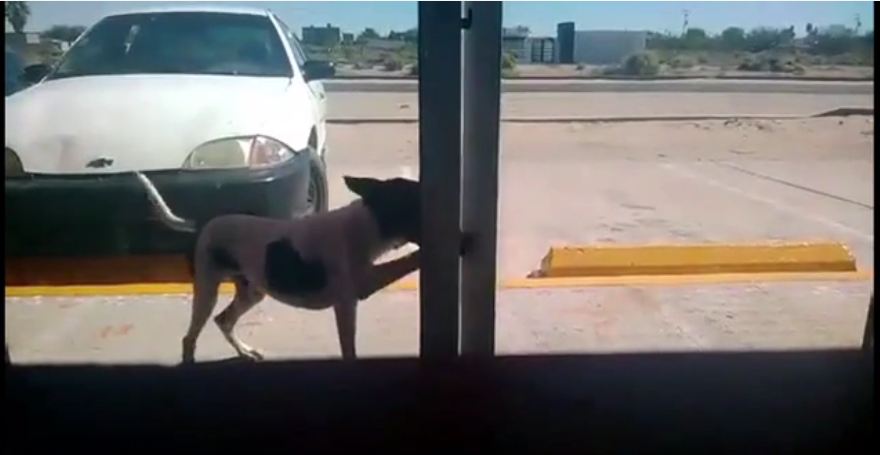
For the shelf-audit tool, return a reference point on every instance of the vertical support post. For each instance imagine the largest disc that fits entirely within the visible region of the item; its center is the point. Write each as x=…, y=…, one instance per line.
x=868, y=336
x=481, y=105
x=440, y=176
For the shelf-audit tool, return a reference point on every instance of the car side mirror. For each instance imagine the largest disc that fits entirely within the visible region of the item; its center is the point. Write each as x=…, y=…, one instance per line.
x=35, y=73
x=318, y=69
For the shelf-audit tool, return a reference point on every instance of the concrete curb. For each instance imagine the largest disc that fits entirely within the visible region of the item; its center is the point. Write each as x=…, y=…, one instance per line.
x=409, y=285
x=839, y=112
x=611, y=265
x=847, y=111
x=754, y=258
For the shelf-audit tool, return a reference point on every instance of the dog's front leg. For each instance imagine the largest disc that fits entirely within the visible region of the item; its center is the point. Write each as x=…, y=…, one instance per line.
x=346, y=327
x=381, y=275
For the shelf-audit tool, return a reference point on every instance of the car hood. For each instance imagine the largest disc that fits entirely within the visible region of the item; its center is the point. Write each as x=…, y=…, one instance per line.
x=140, y=122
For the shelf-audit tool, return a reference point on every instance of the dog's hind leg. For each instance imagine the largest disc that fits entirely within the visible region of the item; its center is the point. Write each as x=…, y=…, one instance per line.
x=246, y=297
x=205, y=288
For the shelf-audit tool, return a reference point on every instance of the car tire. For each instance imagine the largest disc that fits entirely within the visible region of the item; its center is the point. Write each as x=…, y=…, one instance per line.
x=318, y=200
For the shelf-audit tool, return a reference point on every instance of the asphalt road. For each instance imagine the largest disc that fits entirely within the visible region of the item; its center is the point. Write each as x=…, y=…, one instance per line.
x=575, y=86
x=543, y=106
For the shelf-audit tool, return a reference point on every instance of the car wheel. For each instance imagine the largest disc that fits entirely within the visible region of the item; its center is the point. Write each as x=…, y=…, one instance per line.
x=316, y=198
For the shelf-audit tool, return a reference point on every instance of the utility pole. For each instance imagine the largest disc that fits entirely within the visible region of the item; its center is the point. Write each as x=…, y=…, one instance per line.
x=684, y=25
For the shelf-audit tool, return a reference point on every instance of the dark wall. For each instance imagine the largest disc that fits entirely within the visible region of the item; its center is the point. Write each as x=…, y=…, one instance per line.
x=565, y=41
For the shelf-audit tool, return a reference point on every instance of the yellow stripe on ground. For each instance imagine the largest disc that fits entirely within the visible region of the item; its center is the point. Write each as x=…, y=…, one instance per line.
x=627, y=260
x=515, y=283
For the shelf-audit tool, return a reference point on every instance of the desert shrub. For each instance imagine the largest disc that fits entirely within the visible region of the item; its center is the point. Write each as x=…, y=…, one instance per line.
x=508, y=61
x=682, y=61
x=770, y=63
x=392, y=64
x=640, y=64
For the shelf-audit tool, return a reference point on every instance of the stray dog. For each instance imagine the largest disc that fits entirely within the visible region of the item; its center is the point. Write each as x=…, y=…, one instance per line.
x=320, y=261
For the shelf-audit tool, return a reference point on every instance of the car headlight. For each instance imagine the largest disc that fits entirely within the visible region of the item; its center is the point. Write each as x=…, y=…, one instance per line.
x=13, y=164
x=246, y=152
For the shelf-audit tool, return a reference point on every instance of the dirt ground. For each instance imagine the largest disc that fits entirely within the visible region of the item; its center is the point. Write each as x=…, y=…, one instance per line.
x=830, y=72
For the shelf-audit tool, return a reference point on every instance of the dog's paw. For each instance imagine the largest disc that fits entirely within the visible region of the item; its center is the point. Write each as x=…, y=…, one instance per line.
x=467, y=243
x=251, y=354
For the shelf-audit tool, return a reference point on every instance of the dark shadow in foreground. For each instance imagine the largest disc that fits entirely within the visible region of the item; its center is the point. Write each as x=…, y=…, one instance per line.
x=757, y=402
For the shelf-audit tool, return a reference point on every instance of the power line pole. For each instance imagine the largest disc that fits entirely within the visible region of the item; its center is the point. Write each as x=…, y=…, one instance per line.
x=684, y=25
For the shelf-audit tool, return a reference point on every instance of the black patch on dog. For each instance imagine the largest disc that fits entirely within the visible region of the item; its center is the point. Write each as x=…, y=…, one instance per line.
x=223, y=259
x=287, y=272
x=396, y=204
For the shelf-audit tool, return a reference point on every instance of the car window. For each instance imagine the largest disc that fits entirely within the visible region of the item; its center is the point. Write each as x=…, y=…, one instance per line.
x=298, y=54
x=13, y=73
x=185, y=43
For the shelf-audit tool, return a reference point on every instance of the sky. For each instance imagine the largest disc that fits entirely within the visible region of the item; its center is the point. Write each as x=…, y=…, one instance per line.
x=540, y=17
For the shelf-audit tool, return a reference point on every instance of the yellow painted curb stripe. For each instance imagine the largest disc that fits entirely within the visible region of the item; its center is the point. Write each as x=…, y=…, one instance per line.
x=621, y=260
x=515, y=283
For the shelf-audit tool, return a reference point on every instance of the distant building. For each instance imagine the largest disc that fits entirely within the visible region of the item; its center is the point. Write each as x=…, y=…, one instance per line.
x=384, y=44
x=541, y=49
x=513, y=42
x=526, y=49
x=603, y=47
x=347, y=38
x=565, y=42
x=598, y=47
x=321, y=36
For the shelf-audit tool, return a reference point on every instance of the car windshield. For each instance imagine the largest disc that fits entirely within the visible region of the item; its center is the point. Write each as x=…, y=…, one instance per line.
x=178, y=43
x=13, y=72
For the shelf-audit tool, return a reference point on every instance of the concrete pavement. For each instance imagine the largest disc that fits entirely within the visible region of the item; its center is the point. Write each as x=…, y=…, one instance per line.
x=569, y=183
x=627, y=319
x=653, y=182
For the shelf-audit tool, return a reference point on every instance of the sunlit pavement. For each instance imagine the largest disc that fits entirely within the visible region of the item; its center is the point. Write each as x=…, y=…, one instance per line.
x=564, y=184
x=666, y=182
x=632, y=319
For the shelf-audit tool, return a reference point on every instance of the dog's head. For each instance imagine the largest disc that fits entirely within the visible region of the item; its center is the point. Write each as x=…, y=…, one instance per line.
x=395, y=203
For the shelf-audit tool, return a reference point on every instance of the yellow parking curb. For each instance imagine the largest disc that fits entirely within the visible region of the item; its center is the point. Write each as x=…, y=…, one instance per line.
x=562, y=267
x=616, y=260
x=412, y=284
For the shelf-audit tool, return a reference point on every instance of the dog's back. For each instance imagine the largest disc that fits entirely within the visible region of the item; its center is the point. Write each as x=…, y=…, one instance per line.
x=305, y=252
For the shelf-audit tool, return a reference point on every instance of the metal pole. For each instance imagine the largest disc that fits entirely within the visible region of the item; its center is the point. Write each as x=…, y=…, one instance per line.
x=868, y=337
x=440, y=176
x=481, y=105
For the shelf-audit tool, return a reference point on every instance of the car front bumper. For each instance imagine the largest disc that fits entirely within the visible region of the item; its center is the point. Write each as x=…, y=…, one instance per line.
x=110, y=215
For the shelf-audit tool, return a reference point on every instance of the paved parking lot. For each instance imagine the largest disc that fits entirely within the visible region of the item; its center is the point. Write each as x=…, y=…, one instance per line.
x=568, y=183
x=654, y=181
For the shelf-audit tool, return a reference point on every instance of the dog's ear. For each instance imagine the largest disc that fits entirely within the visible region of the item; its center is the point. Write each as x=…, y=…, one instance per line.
x=362, y=186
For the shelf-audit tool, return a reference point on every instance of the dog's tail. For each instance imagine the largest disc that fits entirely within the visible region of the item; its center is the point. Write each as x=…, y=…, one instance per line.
x=166, y=216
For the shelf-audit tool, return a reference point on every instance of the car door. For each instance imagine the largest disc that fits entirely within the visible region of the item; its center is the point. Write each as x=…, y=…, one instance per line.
x=316, y=88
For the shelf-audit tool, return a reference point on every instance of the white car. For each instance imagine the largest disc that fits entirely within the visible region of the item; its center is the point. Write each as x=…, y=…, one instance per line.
x=218, y=105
